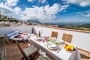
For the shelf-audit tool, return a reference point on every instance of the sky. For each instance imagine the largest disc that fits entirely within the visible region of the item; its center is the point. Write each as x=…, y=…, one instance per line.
x=47, y=10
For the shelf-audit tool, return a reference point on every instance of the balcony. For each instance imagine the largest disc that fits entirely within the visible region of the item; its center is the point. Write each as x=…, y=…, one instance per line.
x=80, y=38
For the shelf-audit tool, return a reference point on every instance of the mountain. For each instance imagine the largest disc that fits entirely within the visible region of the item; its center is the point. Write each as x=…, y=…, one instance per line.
x=34, y=21
x=56, y=22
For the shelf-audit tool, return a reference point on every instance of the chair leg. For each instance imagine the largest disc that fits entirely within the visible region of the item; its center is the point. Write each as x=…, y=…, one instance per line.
x=22, y=58
x=31, y=58
x=25, y=41
x=34, y=55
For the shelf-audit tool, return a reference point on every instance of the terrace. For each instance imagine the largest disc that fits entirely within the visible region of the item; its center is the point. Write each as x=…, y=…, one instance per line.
x=80, y=38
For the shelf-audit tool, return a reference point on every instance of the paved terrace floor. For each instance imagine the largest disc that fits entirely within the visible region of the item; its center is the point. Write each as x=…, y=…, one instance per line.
x=12, y=52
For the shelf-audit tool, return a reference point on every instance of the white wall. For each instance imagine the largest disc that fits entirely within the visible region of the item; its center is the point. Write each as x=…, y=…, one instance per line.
x=82, y=40
x=4, y=30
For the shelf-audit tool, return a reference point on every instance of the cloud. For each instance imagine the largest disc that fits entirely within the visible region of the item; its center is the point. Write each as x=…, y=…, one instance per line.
x=7, y=6
x=46, y=12
x=3, y=6
x=52, y=10
x=79, y=21
x=8, y=12
x=85, y=14
x=11, y=3
x=42, y=13
x=42, y=1
x=82, y=3
x=30, y=0
x=5, y=9
x=17, y=10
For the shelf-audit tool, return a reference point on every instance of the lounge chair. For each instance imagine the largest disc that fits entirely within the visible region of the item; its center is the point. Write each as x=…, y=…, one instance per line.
x=16, y=35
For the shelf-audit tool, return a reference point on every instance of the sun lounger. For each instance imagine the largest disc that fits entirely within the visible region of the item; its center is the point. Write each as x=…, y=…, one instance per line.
x=16, y=35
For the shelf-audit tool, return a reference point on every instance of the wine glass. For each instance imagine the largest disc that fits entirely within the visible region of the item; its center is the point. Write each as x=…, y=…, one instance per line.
x=62, y=43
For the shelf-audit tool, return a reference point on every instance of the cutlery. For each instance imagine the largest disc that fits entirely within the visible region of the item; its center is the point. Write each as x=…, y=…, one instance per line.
x=58, y=50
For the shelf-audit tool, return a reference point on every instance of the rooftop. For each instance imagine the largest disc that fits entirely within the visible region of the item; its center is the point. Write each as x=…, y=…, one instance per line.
x=13, y=53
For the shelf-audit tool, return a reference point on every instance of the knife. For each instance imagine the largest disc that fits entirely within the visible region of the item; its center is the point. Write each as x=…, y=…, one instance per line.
x=58, y=50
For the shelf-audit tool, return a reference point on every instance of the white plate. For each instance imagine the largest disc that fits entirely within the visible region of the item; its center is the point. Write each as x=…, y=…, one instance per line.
x=53, y=46
x=39, y=38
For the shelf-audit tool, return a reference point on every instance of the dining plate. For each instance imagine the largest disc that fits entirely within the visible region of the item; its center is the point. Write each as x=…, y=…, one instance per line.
x=52, y=46
x=39, y=38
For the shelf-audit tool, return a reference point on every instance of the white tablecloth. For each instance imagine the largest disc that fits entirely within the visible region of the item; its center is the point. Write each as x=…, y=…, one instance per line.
x=61, y=55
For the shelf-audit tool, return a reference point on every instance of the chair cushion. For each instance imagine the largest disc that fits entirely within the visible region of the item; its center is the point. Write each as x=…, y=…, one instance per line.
x=21, y=36
x=30, y=50
x=11, y=33
x=16, y=36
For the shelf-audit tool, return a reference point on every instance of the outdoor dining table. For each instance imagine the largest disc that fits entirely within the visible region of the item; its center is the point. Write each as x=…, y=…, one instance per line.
x=54, y=55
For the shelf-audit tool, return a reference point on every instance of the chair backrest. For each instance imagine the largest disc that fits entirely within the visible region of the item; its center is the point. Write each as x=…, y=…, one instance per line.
x=67, y=37
x=21, y=50
x=54, y=34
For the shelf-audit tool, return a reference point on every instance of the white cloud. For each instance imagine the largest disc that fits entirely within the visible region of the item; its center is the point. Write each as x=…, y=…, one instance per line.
x=63, y=7
x=17, y=10
x=30, y=0
x=82, y=3
x=42, y=1
x=39, y=13
x=53, y=9
x=85, y=14
x=6, y=7
x=69, y=21
x=42, y=13
x=11, y=3
x=6, y=10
